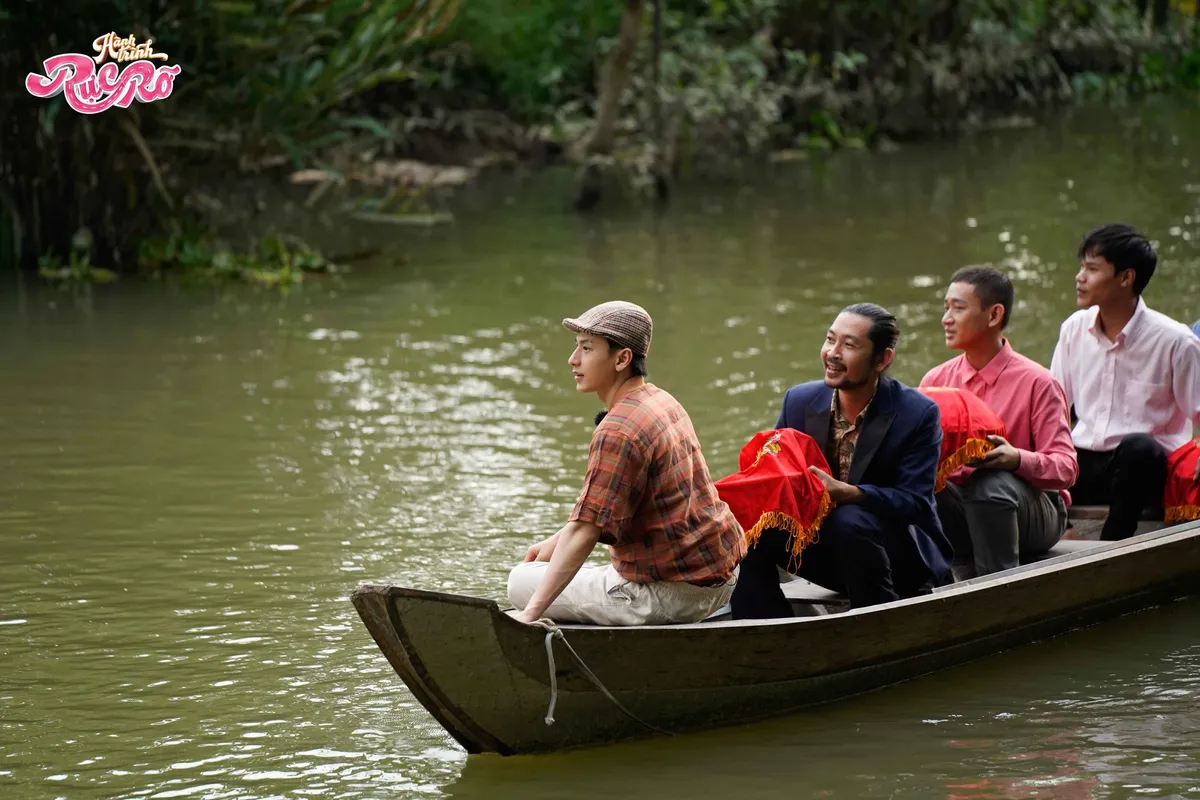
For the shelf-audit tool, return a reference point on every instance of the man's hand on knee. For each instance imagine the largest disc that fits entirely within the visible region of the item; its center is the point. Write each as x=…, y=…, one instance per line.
x=839, y=491
x=542, y=551
x=1003, y=456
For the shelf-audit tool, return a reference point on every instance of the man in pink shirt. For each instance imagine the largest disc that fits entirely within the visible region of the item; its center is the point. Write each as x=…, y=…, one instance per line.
x=1132, y=375
x=1013, y=501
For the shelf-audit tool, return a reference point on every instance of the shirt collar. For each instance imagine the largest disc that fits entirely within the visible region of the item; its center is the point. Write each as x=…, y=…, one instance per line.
x=992, y=370
x=1131, y=327
x=835, y=408
x=1135, y=322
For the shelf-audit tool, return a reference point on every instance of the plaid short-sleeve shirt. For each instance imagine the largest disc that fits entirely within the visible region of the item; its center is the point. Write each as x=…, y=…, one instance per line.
x=648, y=489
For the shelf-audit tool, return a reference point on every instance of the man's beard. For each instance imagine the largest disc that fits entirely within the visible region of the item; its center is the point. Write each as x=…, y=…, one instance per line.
x=850, y=385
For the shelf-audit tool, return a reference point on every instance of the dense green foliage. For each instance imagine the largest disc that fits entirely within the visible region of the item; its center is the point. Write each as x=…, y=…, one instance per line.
x=308, y=79
x=257, y=78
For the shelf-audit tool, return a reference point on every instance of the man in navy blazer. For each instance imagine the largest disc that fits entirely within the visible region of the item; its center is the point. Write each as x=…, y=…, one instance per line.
x=883, y=540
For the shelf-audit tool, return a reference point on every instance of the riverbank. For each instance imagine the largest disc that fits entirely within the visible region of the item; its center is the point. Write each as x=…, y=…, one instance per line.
x=349, y=97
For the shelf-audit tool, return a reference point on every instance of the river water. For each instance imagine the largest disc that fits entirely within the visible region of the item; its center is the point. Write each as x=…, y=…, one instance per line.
x=193, y=480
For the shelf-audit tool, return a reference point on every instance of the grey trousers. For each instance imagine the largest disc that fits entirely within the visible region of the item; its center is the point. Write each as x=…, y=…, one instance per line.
x=995, y=518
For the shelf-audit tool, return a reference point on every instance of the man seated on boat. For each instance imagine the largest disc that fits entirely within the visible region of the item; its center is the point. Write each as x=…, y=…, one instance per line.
x=1013, y=501
x=1133, y=376
x=647, y=493
x=882, y=439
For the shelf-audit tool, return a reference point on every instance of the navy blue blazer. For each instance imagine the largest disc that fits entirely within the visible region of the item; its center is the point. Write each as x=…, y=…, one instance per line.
x=895, y=459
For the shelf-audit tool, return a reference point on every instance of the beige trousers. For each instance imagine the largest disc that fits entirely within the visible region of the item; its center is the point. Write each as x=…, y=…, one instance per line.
x=600, y=596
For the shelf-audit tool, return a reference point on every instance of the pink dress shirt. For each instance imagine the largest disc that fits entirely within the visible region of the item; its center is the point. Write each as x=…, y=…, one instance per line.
x=1033, y=407
x=1147, y=381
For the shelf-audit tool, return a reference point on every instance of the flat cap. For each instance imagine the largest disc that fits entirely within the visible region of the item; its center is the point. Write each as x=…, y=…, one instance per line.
x=627, y=324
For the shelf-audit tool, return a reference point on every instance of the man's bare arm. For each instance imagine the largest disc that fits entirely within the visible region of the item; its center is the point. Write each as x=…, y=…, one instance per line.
x=574, y=543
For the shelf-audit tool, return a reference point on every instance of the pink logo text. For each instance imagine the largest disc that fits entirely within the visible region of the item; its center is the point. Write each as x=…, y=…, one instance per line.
x=90, y=89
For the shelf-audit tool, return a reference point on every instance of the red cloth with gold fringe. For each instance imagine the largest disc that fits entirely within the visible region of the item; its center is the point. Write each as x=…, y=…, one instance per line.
x=967, y=421
x=774, y=489
x=1181, y=500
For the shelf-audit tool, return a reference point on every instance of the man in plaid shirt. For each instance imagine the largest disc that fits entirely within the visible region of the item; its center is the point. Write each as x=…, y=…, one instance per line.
x=647, y=493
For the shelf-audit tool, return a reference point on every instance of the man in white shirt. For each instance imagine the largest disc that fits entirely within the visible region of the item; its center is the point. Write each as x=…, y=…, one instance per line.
x=1132, y=375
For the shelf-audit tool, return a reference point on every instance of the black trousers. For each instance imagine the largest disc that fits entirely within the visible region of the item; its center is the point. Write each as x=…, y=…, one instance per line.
x=1129, y=479
x=857, y=553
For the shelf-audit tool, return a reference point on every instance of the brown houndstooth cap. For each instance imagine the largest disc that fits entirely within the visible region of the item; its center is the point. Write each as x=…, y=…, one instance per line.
x=627, y=324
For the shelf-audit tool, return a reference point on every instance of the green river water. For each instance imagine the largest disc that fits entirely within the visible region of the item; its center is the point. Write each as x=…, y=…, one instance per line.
x=193, y=480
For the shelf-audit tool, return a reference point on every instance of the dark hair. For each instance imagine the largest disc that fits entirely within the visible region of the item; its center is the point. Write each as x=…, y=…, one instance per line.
x=1125, y=248
x=637, y=367
x=991, y=285
x=885, y=333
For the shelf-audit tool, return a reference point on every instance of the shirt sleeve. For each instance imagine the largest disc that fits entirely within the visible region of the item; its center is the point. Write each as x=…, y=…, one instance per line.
x=1058, y=362
x=613, y=485
x=1186, y=377
x=1054, y=464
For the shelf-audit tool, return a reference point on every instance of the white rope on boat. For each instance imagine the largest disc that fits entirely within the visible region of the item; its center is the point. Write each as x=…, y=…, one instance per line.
x=553, y=673
x=553, y=632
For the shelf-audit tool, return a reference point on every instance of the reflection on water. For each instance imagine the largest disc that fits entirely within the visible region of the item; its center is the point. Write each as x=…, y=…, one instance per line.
x=192, y=482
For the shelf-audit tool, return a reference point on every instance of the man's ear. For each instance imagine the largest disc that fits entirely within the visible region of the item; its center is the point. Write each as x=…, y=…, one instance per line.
x=996, y=315
x=885, y=360
x=624, y=358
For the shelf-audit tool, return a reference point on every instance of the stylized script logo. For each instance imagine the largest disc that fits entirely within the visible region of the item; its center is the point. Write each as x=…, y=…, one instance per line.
x=89, y=90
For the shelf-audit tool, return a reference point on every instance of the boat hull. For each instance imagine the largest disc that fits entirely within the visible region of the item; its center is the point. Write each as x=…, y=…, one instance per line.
x=485, y=676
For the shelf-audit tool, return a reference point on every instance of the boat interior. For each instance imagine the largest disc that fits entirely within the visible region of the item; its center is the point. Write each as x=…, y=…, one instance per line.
x=1083, y=533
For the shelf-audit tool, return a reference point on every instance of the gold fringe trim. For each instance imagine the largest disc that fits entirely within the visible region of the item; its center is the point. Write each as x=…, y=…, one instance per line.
x=1182, y=513
x=973, y=449
x=802, y=537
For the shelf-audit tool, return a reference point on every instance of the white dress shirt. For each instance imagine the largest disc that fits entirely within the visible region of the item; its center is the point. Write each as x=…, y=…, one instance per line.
x=1147, y=381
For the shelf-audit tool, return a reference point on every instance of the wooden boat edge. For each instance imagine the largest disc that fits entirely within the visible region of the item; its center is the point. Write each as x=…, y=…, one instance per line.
x=378, y=613
x=376, y=604
x=391, y=590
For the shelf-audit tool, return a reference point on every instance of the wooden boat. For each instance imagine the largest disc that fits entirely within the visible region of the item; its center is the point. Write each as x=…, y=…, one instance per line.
x=487, y=678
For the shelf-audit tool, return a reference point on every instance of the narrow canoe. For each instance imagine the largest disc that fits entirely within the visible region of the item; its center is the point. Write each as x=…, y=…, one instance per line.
x=486, y=677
